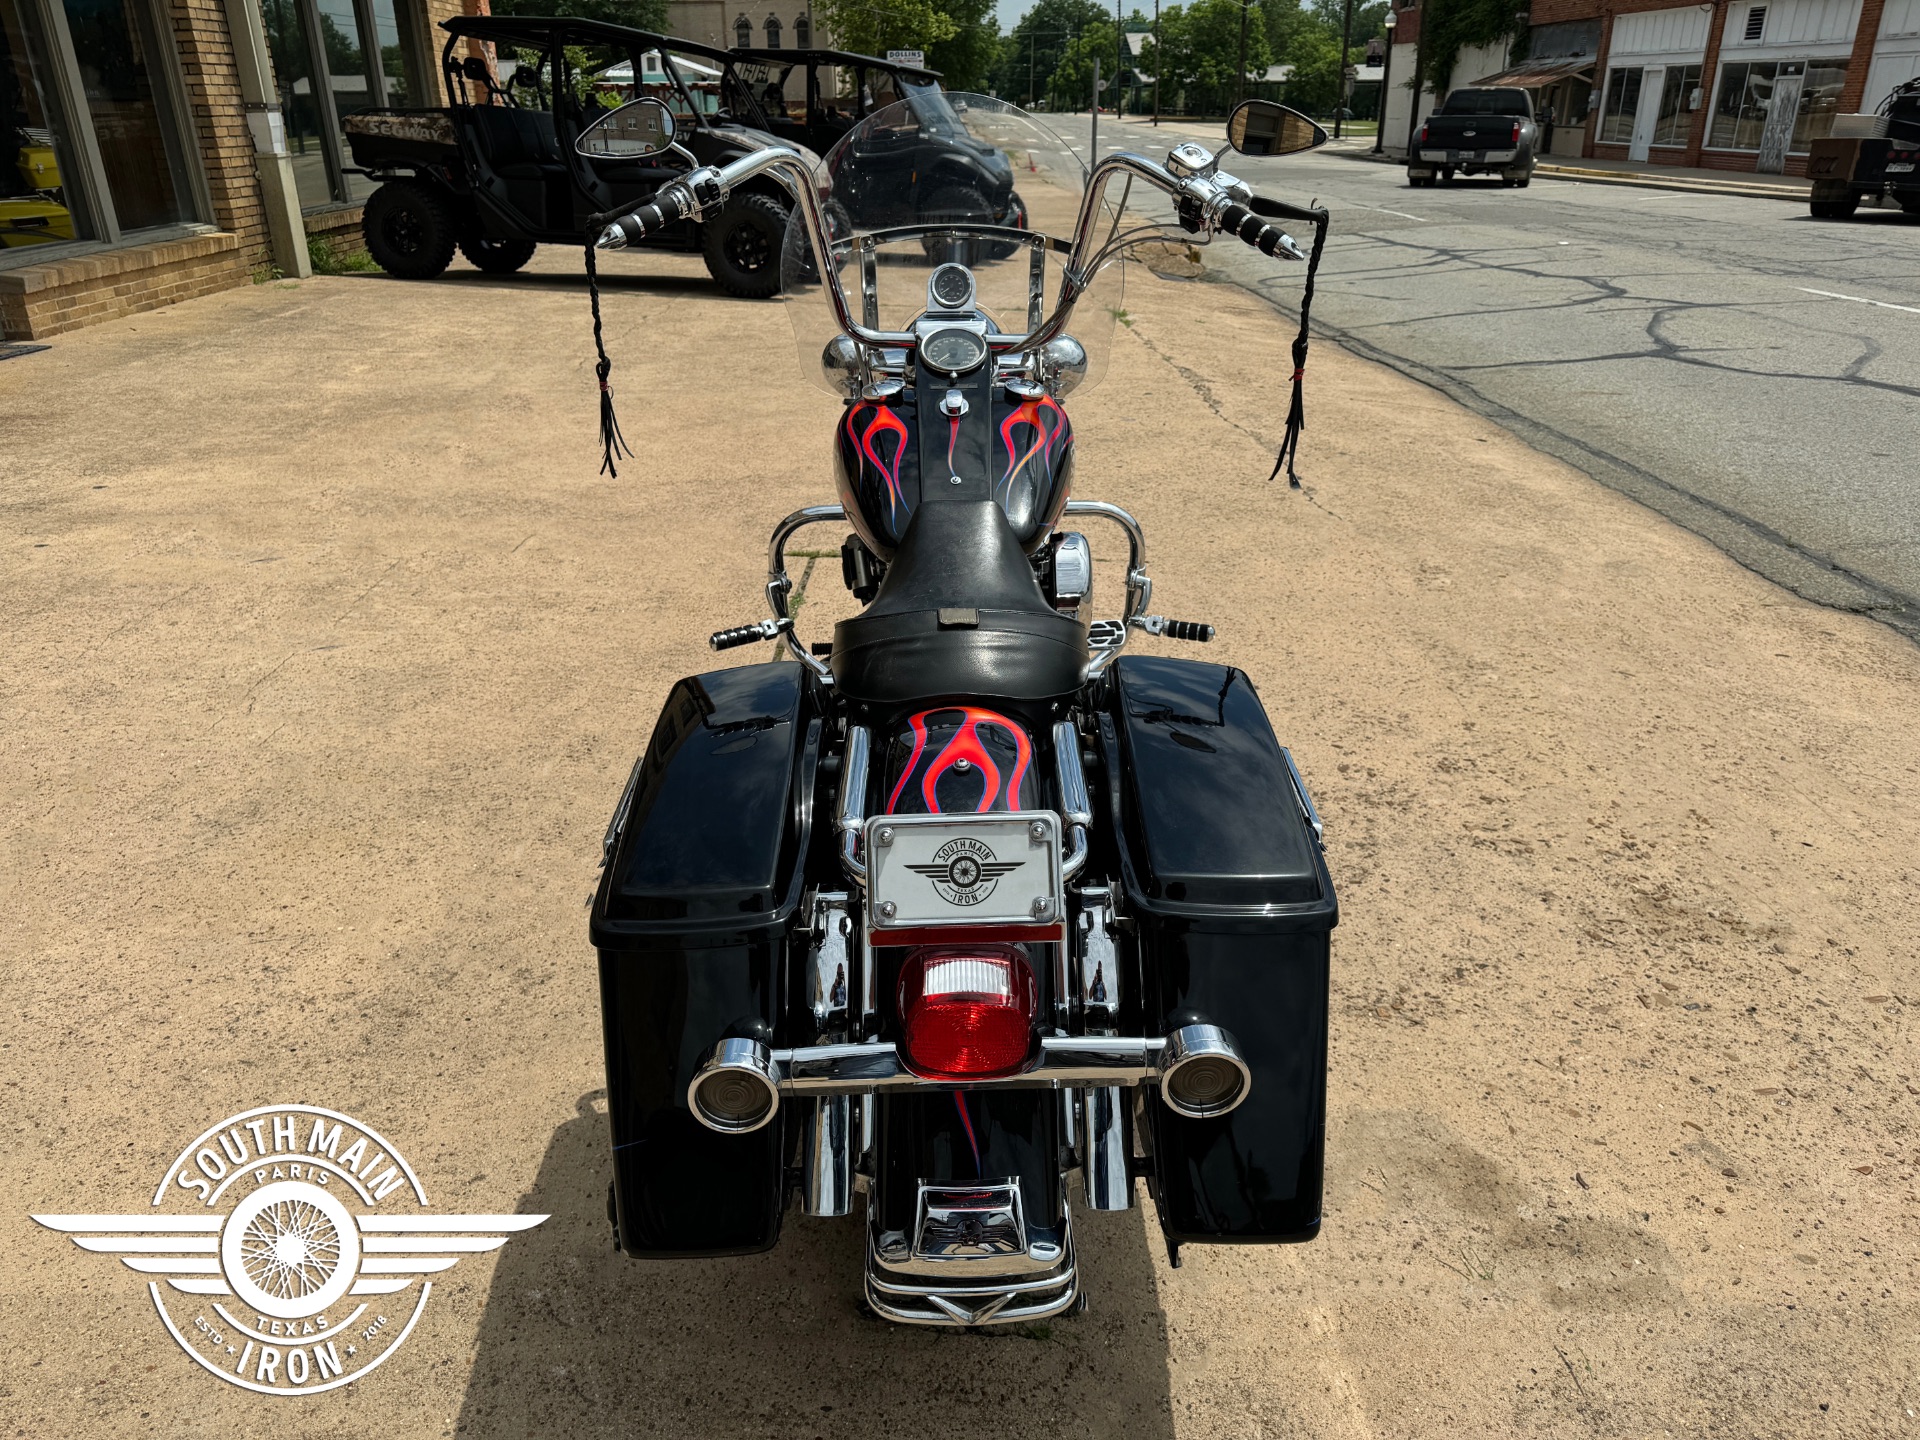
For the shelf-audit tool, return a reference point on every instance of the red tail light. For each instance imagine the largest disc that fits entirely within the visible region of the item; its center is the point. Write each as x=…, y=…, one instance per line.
x=1423, y=135
x=1516, y=132
x=967, y=1014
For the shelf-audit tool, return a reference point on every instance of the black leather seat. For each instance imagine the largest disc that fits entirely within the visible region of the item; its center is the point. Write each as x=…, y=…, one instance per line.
x=959, y=614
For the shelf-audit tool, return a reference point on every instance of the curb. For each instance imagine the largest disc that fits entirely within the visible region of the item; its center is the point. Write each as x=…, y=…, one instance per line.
x=1792, y=194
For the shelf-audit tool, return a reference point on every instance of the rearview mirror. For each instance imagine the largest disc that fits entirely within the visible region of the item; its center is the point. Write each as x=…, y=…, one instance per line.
x=1260, y=127
x=638, y=130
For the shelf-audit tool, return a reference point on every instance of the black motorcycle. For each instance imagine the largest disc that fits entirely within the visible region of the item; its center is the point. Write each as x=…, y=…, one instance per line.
x=967, y=906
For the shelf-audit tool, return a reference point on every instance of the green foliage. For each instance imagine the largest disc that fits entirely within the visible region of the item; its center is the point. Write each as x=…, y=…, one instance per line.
x=1199, y=52
x=330, y=259
x=1451, y=26
x=640, y=14
x=1071, y=87
x=966, y=60
x=873, y=27
x=1033, y=50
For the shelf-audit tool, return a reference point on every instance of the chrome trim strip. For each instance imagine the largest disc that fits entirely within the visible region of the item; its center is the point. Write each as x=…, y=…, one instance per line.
x=828, y=1154
x=1306, y=800
x=618, y=824
x=850, y=814
x=1108, y=1185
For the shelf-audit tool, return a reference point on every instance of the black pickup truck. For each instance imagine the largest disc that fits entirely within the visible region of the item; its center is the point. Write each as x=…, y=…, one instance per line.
x=1478, y=131
x=1848, y=169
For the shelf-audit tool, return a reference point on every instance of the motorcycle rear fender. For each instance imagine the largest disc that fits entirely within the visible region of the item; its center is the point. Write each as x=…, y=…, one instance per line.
x=1232, y=908
x=692, y=921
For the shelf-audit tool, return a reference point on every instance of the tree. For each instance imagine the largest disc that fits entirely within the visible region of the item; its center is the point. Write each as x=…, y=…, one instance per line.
x=1031, y=53
x=966, y=60
x=640, y=14
x=1199, y=52
x=873, y=27
x=1071, y=86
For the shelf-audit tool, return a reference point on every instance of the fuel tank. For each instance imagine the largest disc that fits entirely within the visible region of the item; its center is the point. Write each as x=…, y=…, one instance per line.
x=881, y=461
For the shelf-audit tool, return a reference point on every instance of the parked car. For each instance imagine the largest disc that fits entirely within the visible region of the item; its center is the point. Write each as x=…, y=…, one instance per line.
x=496, y=173
x=1485, y=130
x=1876, y=156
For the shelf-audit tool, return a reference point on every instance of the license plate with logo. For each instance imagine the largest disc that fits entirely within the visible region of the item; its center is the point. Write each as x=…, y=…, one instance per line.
x=927, y=874
x=1900, y=169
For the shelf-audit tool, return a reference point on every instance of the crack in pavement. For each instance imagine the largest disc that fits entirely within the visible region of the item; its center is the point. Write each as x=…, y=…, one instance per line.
x=1750, y=543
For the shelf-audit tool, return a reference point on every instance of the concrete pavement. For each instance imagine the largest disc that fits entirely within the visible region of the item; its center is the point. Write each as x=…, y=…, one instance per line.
x=328, y=654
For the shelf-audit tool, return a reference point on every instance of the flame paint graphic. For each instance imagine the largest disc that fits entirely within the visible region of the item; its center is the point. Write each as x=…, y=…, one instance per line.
x=953, y=434
x=965, y=745
x=1048, y=422
x=884, y=422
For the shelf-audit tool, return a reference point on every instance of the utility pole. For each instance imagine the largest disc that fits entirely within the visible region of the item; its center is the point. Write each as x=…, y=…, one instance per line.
x=1158, y=63
x=1093, y=141
x=1240, y=80
x=1346, y=43
x=1413, y=107
x=1120, y=57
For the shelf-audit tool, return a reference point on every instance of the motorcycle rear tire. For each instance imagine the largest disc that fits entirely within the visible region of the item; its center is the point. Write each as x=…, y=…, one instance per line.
x=496, y=257
x=743, y=244
x=409, y=230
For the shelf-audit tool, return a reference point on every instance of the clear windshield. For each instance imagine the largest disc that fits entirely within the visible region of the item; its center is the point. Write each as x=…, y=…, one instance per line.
x=941, y=177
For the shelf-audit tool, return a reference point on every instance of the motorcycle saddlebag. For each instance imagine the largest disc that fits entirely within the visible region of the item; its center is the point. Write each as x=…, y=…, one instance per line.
x=1232, y=908
x=704, y=873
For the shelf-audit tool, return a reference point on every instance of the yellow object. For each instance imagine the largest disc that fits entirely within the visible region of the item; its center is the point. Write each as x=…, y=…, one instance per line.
x=38, y=167
x=34, y=222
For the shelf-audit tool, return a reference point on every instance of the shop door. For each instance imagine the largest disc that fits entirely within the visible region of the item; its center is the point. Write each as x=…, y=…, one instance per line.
x=1652, y=81
x=1782, y=108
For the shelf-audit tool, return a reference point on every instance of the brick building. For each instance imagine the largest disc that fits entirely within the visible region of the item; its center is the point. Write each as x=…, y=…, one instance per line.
x=774, y=24
x=154, y=150
x=1728, y=85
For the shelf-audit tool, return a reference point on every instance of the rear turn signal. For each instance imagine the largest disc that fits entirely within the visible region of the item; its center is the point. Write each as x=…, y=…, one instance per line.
x=967, y=1014
x=1516, y=132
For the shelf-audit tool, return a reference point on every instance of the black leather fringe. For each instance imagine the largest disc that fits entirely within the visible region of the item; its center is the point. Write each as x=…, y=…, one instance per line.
x=612, y=442
x=1297, y=409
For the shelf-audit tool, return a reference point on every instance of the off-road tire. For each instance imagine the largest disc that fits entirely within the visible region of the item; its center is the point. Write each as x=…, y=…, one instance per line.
x=496, y=257
x=961, y=204
x=743, y=244
x=409, y=230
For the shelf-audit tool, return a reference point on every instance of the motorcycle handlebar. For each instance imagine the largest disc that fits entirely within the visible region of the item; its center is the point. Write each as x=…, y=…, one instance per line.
x=1238, y=220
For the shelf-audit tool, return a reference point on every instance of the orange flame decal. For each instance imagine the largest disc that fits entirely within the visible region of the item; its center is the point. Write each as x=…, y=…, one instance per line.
x=1048, y=422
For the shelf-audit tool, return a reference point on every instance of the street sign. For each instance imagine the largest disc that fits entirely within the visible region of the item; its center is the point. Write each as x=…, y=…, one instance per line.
x=907, y=57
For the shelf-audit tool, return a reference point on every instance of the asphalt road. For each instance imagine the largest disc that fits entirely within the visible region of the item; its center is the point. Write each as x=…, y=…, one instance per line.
x=1744, y=369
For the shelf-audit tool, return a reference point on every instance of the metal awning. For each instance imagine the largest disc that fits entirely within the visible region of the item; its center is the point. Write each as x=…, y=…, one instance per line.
x=1533, y=77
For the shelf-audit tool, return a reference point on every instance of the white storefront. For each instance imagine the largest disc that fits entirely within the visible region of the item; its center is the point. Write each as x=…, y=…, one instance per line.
x=1782, y=67
x=1896, y=52
x=1654, y=81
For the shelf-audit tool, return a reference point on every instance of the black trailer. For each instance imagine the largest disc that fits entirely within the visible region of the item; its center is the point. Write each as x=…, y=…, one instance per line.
x=1848, y=169
x=496, y=172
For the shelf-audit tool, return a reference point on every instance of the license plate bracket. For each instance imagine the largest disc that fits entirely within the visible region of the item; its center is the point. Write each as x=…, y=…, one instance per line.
x=995, y=875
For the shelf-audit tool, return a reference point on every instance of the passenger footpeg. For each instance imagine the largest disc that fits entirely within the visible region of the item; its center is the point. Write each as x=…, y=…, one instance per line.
x=1173, y=629
x=759, y=630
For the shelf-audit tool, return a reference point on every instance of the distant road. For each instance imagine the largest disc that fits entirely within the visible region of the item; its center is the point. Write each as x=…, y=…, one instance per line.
x=1748, y=371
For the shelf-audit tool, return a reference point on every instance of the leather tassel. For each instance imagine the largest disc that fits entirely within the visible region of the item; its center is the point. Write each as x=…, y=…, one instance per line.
x=1297, y=408
x=612, y=443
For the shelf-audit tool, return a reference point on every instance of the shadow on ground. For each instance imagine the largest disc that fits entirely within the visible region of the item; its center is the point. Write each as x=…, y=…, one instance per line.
x=578, y=1341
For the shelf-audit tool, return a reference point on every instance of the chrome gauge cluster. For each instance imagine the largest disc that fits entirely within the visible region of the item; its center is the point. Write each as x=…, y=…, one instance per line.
x=950, y=288
x=952, y=350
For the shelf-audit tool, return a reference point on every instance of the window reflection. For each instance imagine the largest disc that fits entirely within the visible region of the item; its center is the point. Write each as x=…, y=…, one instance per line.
x=138, y=148
x=34, y=156
x=299, y=101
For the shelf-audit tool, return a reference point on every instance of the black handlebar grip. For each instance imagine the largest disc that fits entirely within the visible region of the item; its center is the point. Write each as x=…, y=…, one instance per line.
x=640, y=223
x=1189, y=630
x=1252, y=229
x=738, y=635
x=1281, y=210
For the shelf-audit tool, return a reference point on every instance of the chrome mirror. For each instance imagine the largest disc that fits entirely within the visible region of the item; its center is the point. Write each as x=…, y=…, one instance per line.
x=1260, y=127
x=638, y=130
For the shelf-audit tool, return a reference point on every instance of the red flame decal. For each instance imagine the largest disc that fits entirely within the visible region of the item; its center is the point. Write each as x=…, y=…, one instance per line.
x=1048, y=422
x=884, y=422
x=965, y=744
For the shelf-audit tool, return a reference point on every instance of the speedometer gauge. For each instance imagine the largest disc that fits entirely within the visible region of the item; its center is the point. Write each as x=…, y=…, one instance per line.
x=953, y=352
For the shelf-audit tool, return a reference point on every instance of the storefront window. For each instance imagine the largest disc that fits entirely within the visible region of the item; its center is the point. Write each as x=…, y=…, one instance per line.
x=1746, y=99
x=329, y=65
x=1679, y=98
x=1623, y=103
x=139, y=146
x=36, y=156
